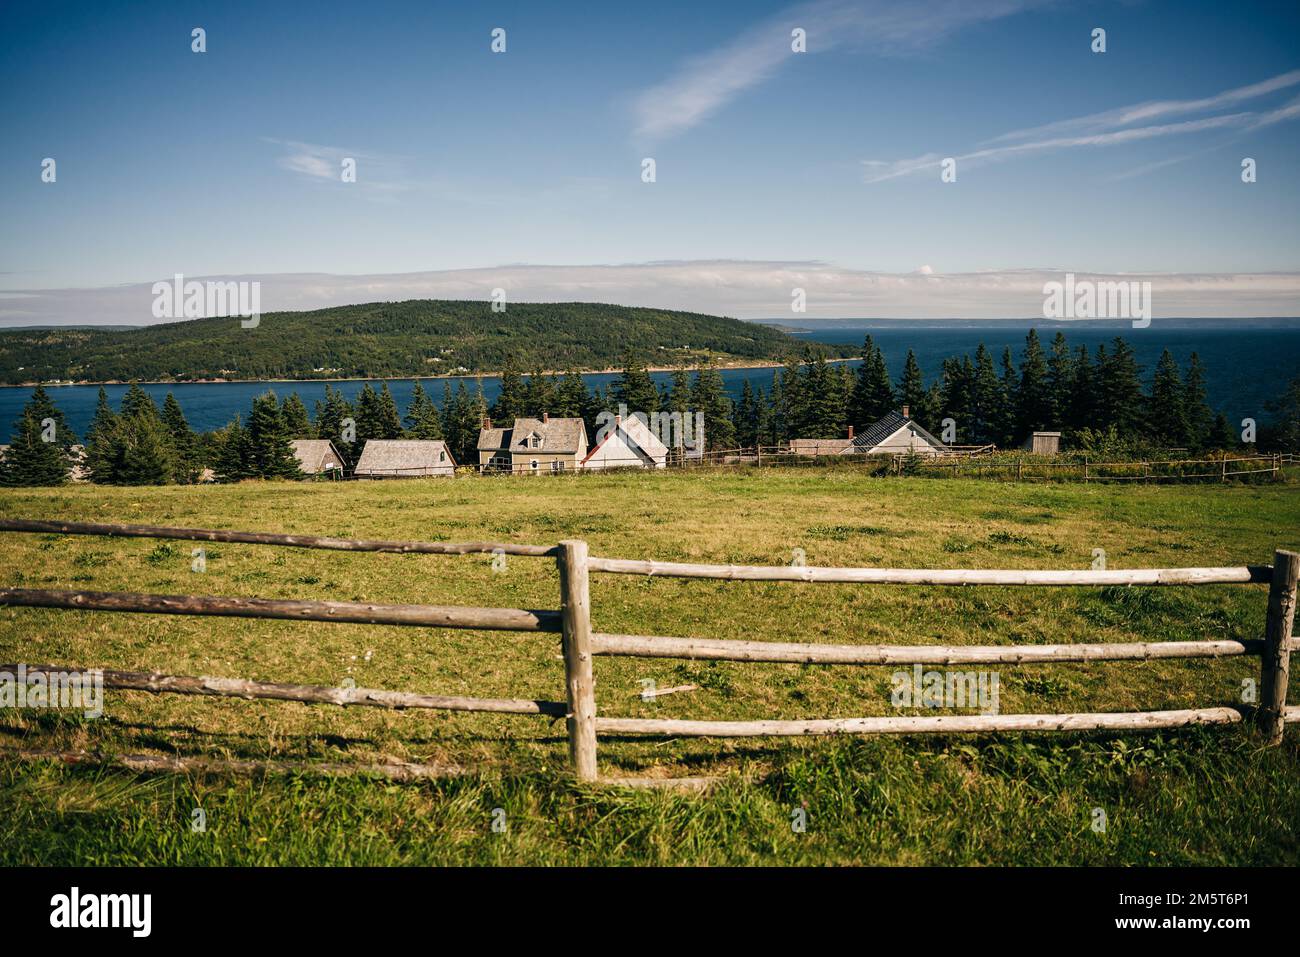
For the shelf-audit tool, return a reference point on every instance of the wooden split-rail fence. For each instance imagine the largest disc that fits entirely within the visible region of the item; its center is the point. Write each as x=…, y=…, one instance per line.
x=581, y=643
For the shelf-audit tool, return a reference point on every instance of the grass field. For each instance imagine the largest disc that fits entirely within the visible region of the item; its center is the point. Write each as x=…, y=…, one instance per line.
x=1207, y=796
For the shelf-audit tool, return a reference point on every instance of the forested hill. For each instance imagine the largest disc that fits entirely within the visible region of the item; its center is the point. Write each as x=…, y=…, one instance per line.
x=417, y=337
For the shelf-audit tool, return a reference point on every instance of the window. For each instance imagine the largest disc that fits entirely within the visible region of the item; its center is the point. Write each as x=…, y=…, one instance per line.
x=557, y=466
x=533, y=463
x=442, y=456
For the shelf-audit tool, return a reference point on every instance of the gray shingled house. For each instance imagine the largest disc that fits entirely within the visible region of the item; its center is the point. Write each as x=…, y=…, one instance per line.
x=405, y=458
x=317, y=457
x=531, y=446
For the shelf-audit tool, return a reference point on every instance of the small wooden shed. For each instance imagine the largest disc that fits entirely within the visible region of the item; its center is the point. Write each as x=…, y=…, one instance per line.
x=1044, y=443
x=317, y=457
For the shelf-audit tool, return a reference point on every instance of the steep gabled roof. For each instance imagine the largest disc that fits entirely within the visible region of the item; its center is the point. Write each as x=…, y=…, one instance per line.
x=393, y=455
x=877, y=432
x=313, y=453
x=557, y=435
x=637, y=436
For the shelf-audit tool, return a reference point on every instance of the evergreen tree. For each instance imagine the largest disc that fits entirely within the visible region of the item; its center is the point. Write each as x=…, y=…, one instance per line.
x=512, y=402
x=777, y=431
x=911, y=388
x=1034, y=398
x=138, y=402
x=1286, y=413
x=232, y=459
x=295, y=418
x=540, y=393
x=570, y=396
x=99, y=442
x=336, y=421
x=711, y=401
x=986, y=400
x=824, y=399
x=792, y=415
x=1199, y=417
x=187, y=465
x=1222, y=437
x=142, y=452
x=1060, y=382
x=635, y=388
x=1008, y=395
x=270, y=448
x=1120, y=400
x=747, y=417
x=422, y=421
x=1168, y=423
x=873, y=394
x=1083, y=399
x=35, y=456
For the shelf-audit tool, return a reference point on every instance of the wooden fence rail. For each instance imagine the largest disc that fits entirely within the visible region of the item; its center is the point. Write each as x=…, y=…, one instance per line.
x=580, y=644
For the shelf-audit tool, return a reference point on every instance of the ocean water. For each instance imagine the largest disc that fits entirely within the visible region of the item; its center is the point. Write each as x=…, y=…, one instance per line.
x=1245, y=368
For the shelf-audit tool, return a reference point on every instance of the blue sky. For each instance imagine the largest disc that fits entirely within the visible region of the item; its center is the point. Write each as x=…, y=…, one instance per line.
x=768, y=163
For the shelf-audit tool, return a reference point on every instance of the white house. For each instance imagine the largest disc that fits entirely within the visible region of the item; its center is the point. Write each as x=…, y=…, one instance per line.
x=627, y=443
x=896, y=434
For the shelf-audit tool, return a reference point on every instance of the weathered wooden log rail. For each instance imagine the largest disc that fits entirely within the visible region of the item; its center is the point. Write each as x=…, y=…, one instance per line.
x=580, y=643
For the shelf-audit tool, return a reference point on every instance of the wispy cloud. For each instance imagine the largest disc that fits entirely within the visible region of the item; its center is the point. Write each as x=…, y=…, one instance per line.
x=377, y=175
x=706, y=83
x=1112, y=128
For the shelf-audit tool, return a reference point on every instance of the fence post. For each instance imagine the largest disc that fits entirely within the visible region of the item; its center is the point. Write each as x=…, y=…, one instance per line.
x=576, y=612
x=1276, y=659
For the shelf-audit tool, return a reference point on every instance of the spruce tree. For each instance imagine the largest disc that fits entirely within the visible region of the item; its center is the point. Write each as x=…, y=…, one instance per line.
x=232, y=459
x=35, y=456
x=333, y=419
x=634, y=387
x=1168, y=422
x=511, y=403
x=187, y=466
x=1200, y=419
x=1008, y=401
x=99, y=442
x=270, y=448
x=1083, y=399
x=570, y=396
x=1120, y=400
x=710, y=400
x=747, y=417
x=1060, y=382
x=294, y=414
x=422, y=421
x=1034, y=398
x=986, y=414
x=911, y=387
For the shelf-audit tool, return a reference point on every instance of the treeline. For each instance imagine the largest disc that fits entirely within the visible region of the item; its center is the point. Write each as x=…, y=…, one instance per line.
x=386, y=340
x=1095, y=399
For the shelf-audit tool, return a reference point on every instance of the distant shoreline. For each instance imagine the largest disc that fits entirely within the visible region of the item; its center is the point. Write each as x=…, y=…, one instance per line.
x=764, y=364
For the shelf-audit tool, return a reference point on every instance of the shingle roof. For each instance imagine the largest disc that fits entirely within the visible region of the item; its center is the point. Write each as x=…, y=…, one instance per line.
x=391, y=455
x=489, y=440
x=877, y=432
x=557, y=435
x=638, y=436
x=312, y=454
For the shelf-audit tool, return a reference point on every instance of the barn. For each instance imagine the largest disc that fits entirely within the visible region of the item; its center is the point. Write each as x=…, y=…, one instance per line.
x=318, y=457
x=405, y=458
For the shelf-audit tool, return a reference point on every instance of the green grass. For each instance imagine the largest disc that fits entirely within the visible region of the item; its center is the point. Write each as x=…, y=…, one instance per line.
x=1210, y=796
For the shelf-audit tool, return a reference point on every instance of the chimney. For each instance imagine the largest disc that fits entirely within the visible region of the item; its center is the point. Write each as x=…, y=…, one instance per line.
x=907, y=412
x=850, y=433
x=546, y=417
x=487, y=422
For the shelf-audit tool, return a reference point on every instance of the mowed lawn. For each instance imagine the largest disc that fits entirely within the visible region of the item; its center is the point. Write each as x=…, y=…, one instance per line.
x=1201, y=796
